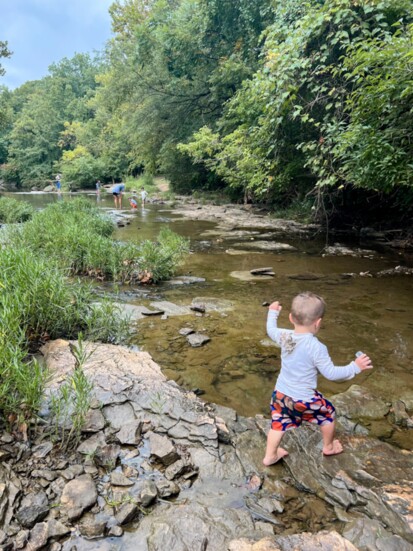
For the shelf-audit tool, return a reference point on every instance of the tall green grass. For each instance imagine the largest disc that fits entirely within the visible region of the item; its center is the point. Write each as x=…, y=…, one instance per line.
x=78, y=237
x=38, y=303
x=12, y=210
x=41, y=299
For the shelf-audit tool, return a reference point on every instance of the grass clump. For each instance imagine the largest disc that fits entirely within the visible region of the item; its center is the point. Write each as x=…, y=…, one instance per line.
x=78, y=237
x=38, y=303
x=70, y=406
x=12, y=210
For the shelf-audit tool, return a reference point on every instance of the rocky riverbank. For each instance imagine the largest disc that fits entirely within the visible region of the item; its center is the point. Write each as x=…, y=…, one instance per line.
x=235, y=218
x=158, y=468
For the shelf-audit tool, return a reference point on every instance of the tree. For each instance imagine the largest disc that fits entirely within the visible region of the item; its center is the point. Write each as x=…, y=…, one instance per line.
x=4, y=52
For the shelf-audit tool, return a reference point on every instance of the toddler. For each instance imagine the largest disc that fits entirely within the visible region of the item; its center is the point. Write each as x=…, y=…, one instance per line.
x=295, y=398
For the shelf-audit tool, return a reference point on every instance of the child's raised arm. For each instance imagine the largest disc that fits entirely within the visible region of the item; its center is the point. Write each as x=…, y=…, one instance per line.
x=272, y=330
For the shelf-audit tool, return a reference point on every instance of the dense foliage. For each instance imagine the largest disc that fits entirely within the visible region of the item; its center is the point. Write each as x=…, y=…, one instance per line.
x=277, y=101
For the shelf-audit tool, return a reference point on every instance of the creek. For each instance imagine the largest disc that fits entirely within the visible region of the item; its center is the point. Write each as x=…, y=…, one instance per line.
x=238, y=368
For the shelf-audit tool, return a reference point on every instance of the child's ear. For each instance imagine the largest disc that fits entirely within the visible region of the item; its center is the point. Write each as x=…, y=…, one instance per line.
x=318, y=323
x=290, y=317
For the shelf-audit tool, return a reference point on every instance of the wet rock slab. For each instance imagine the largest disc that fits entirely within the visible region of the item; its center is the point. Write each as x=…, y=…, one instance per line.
x=370, y=476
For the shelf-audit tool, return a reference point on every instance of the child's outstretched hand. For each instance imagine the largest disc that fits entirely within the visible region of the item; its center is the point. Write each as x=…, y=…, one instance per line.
x=364, y=362
x=275, y=306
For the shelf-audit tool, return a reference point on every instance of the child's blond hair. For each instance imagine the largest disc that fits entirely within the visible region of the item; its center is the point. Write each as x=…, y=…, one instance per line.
x=306, y=308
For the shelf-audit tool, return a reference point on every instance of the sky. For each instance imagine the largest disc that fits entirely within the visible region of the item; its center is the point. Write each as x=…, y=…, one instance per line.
x=41, y=32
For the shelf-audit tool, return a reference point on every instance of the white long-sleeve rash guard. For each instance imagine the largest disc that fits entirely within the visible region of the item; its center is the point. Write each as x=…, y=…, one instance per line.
x=302, y=357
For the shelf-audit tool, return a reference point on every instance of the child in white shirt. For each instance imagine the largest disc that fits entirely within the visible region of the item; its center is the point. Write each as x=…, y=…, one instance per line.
x=295, y=398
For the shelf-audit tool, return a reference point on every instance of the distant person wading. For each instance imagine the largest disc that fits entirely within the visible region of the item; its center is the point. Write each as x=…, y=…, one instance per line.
x=117, y=191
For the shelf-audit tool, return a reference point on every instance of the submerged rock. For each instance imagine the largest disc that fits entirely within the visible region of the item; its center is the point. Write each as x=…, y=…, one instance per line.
x=186, y=280
x=266, y=246
x=197, y=339
x=170, y=308
x=246, y=275
x=341, y=250
x=213, y=304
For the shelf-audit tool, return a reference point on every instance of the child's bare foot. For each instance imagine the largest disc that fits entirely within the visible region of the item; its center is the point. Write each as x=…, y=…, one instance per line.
x=272, y=460
x=334, y=449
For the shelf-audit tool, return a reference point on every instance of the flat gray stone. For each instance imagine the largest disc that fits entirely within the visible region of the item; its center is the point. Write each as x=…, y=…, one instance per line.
x=197, y=339
x=213, y=304
x=130, y=433
x=171, y=309
x=266, y=246
x=118, y=415
x=245, y=275
x=186, y=280
x=78, y=496
x=162, y=448
x=119, y=479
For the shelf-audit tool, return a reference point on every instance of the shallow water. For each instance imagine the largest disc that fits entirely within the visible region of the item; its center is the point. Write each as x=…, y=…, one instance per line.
x=235, y=369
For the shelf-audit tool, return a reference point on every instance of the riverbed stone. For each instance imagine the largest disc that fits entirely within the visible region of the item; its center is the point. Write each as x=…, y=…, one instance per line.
x=72, y=472
x=213, y=304
x=197, y=340
x=162, y=448
x=170, y=308
x=358, y=402
x=118, y=415
x=266, y=246
x=185, y=280
x=94, y=421
x=89, y=446
x=117, y=478
x=367, y=534
x=130, y=432
x=360, y=477
x=166, y=488
x=93, y=526
x=148, y=493
x=78, y=496
x=246, y=275
x=126, y=513
x=240, y=252
x=33, y=508
x=341, y=250
x=185, y=331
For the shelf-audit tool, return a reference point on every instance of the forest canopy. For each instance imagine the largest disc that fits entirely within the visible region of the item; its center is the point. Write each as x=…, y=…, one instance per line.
x=275, y=101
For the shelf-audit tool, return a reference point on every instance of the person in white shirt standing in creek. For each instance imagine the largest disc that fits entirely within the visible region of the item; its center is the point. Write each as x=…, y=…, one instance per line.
x=295, y=398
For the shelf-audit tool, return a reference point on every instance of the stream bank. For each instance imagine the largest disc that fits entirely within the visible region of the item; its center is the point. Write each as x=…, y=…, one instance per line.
x=157, y=467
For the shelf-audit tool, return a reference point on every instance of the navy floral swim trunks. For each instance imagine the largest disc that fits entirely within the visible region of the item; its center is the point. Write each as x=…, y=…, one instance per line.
x=287, y=413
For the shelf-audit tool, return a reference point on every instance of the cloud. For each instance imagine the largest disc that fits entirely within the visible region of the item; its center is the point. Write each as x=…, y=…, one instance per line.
x=41, y=32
